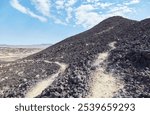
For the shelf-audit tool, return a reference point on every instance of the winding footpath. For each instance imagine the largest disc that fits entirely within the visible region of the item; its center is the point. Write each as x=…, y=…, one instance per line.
x=40, y=86
x=104, y=84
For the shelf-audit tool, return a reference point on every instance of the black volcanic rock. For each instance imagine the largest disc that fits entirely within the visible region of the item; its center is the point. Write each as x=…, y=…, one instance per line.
x=90, y=41
x=129, y=61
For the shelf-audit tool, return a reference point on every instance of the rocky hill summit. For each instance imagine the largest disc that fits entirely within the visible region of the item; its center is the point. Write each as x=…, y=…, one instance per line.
x=111, y=59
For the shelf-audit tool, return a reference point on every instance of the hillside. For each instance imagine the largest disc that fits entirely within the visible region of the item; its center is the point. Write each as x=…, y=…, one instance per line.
x=111, y=59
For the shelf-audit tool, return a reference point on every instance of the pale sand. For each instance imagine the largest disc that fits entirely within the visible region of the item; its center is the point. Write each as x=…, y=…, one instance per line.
x=104, y=84
x=8, y=57
x=40, y=86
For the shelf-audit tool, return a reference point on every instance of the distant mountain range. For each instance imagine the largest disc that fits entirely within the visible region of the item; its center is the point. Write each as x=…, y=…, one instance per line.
x=110, y=60
x=26, y=46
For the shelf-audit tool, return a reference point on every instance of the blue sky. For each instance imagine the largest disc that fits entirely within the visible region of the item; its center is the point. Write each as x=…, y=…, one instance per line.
x=25, y=22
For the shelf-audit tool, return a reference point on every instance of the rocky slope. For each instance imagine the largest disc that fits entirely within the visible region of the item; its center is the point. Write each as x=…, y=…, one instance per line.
x=110, y=60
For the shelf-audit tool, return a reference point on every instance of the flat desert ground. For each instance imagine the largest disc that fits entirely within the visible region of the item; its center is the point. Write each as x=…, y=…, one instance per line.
x=12, y=53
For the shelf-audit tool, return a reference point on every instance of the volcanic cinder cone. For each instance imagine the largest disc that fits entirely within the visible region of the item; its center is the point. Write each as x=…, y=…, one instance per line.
x=111, y=59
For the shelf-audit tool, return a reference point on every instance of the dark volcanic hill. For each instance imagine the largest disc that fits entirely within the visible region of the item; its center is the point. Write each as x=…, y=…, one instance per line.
x=111, y=59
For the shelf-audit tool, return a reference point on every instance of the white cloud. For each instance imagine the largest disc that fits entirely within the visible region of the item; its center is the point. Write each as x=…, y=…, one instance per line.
x=87, y=7
x=104, y=5
x=57, y=20
x=43, y=19
x=92, y=1
x=43, y=6
x=86, y=13
x=99, y=3
x=69, y=13
x=70, y=3
x=60, y=4
x=15, y=4
x=120, y=10
x=86, y=16
x=69, y=9
x=18, y=6
x=133, y=2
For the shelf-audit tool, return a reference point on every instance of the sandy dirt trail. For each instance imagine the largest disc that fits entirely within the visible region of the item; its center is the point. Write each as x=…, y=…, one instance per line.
x=40, y=86
x=104, y=84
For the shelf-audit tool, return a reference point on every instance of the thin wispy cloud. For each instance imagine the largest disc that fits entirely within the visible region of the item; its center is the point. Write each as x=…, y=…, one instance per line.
x=86, y=13
x=104, y=5
x=70, y=3
x=15, y=4
x=42, y=6
x=132, y=2
x=69, y=14
x=60, y=4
